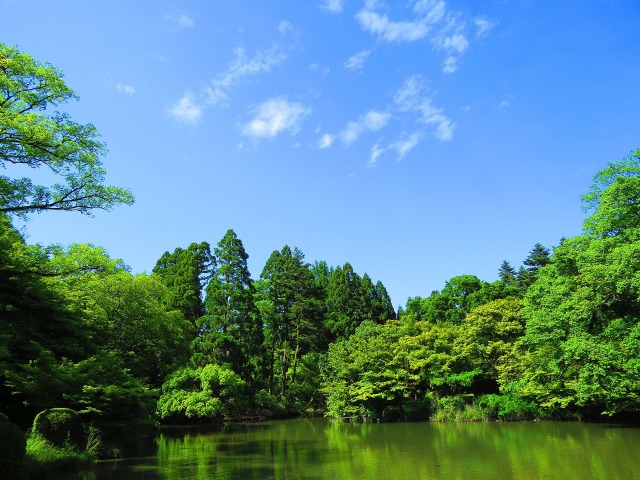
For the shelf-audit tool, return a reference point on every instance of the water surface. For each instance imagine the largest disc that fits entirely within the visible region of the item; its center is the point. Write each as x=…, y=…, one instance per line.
x=321, y=449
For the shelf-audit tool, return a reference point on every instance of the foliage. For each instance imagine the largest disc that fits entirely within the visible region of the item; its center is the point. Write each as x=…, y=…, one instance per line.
x=32, y=136
x=290, y=304
x=231, y=333
x=185, y=272
x=209, y=393
x=60, y=427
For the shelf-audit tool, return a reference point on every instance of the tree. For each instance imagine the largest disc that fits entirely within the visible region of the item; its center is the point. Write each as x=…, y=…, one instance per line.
x=291, y=303
x=346, y=307
x=185, y=272
x=538, y=257
x=33, y=136
x=231, y=331
x=507, y=273
x=614, y=198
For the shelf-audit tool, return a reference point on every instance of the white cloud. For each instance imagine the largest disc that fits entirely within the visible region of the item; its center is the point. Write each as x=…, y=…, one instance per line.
x=242, y=67
x=450, y=65
x=390, y=31
x=181, y=21
x=430, y=20
x=406, y=143
x=457, y=43
x=185, y=21
x=413, y=96
x=186, y=110
x=376, y=151
x=432, y=10
x=275, y=116
x=332, y=6
x=325, y=141
x=370, y=121
x=409, y=96
x=285, y=26
x=128, y=89
x=356, y=62
x=483, y=26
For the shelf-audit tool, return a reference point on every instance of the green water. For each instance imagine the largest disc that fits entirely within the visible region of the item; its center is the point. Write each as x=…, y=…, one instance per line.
x=321, y=449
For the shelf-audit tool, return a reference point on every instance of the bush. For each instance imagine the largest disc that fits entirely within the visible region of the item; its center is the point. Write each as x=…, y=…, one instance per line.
x=61, y=427
x=3, y=418
x=13, y=451
x=509, y=407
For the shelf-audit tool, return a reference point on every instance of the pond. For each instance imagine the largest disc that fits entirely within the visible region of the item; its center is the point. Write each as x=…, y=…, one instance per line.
x=322, y=449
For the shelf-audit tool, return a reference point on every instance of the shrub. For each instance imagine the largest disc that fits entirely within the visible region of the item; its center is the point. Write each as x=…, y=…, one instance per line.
x=509, y=407
x=60, y=426
x=13, y=451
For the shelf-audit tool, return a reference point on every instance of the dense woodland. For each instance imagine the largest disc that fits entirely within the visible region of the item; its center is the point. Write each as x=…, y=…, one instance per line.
x=199, y=339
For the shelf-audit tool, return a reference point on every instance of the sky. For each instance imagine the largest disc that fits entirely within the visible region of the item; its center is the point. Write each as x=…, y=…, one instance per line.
x=417, y=140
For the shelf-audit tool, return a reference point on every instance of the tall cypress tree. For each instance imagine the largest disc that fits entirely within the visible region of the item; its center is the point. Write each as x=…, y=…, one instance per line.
x=538, y=257
x=185, y=272
x=292, y=302
x=346, y=306
x=231, y=331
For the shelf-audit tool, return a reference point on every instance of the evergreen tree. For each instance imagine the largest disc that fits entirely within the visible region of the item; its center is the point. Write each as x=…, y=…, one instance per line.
x=383, y=307
x=231, y=331
x=185, y=272
x=345, y=302
x=292, y=303
x=507, y=273
x=538, y=257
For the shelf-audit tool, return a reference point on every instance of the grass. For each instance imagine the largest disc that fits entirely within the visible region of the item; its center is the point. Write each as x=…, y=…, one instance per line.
x=43, y=458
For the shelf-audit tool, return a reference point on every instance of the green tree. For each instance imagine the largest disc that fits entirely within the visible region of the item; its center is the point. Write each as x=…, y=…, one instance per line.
x=185, y=272
x=33, y=136
x=292, y=307
x=582, y=332
x=127, y=316
x=231, y=331
x=346, y=307
x=507, y=273
x=34, y=319
x=613, y=198
x=538, y=257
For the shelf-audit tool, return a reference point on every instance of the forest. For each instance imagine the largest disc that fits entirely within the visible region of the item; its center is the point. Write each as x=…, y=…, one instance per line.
x=103, y=355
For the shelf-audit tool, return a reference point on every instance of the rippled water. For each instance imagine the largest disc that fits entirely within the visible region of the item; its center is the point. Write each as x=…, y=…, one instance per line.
x=321, y=449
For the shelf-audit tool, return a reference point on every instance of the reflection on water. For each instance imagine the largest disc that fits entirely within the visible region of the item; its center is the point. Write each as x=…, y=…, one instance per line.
x=321, y=449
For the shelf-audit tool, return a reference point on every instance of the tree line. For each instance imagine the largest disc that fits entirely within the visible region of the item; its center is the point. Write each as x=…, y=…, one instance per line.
x=199, y=340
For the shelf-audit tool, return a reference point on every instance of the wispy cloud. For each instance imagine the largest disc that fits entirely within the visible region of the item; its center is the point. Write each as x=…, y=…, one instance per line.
x=187, y=110
x=370, y=121
x=275, y=116
x=431, y=20
x=128, y=89
x=413, y=96
x=391, y=31
x=285, y=26
x=181, y=21
x=406, y=143
x=376, y=151
x=241, y=68
x=483, y=26
x=325, y=141
x=332, y=6
x=356, y=62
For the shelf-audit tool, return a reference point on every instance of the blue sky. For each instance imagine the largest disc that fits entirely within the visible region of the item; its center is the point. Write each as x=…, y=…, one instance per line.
x=417, y=140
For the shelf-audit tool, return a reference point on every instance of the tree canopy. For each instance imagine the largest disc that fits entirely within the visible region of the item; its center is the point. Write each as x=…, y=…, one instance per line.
x=31, y=135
